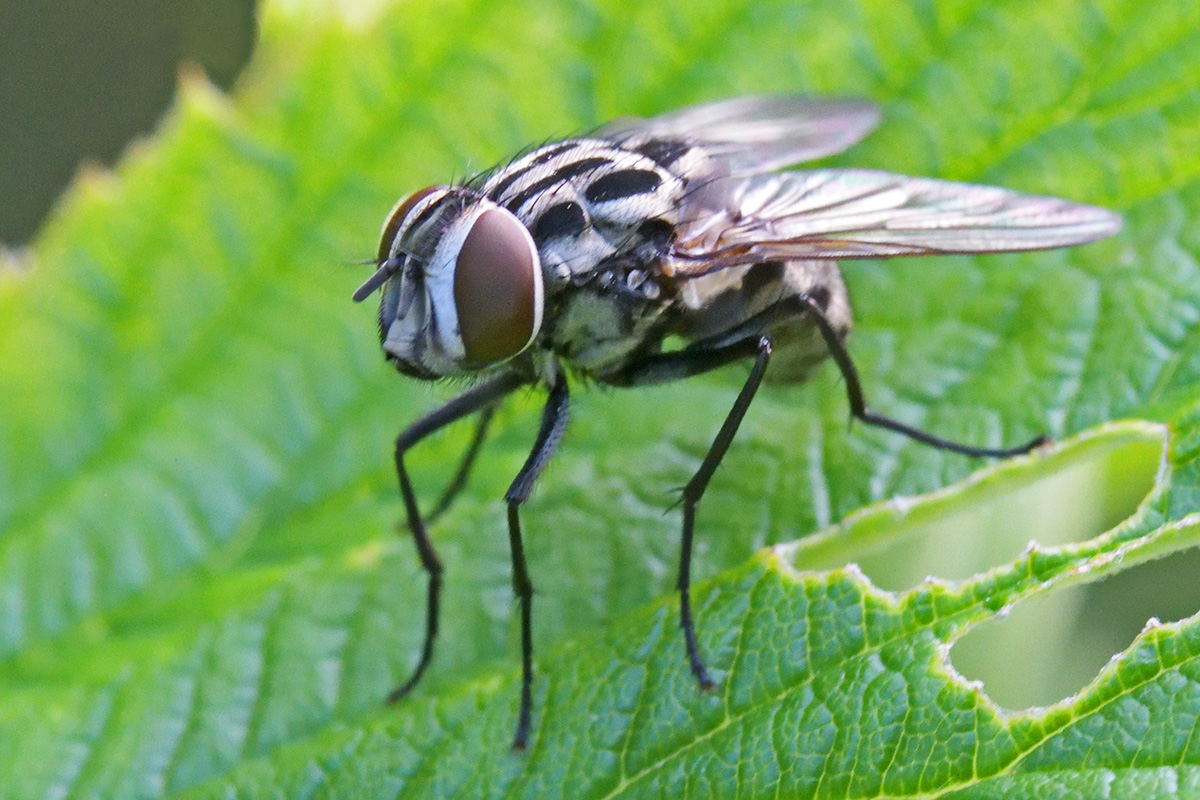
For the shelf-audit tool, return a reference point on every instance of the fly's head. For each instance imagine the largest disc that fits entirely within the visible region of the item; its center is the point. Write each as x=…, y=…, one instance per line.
x=462, y=284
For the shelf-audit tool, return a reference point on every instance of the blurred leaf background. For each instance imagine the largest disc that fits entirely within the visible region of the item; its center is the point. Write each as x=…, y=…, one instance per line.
x=200, y=561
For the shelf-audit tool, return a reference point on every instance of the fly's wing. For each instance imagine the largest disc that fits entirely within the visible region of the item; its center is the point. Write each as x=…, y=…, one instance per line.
x=756, y=134
x=842, y=213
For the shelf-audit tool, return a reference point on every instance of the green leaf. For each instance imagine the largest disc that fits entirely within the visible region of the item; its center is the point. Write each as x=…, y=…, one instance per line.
x=202, y=589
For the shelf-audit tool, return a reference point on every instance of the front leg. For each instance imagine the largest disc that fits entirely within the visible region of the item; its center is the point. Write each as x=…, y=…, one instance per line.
x=478, y=397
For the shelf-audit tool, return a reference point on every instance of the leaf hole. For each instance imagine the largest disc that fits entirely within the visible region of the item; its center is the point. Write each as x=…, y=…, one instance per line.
x=1085, y=487
x=1053, y=644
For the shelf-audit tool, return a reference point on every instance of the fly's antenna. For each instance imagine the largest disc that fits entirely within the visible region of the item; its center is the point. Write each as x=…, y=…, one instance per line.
x=385, y=271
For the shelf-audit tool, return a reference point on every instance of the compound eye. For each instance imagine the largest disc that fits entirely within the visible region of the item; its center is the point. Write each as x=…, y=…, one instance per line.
x=497, y=288
x=395, y=219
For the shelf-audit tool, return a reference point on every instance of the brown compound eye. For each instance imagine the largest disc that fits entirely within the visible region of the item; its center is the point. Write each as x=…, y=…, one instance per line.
x=395, y=219
x=497, y=288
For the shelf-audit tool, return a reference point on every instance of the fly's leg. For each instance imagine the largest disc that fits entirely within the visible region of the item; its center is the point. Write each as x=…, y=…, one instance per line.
x=455, y=487
x=704, y=356
x=858, y=405
x=554, y=421
x=692, y=361
x=694, y=490
x=478, y=397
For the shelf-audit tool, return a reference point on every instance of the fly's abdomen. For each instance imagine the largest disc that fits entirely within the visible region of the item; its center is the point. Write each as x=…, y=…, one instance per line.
x=740, y=302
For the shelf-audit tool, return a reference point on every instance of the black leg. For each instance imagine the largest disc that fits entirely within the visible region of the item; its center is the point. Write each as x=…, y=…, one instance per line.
x=661, y=367
x=554, y=421
x=858, y=406
x=708, y=355
x=694, y=490
x=464, y=468
x=679, y=364
x=480, y=396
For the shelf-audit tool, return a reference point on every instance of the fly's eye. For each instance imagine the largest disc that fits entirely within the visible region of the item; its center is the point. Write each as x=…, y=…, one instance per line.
x=395, y=219
x=497, y=288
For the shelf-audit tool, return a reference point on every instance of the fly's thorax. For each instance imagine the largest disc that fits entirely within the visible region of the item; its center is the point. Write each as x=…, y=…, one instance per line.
x=597, y=331
x=467, y=292
x=616, y=311
x=568, y=239
x=587, y=201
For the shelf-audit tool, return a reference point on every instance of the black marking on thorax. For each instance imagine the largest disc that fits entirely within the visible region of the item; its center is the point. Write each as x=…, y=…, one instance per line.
x=520, y=167
x=664, y=152
x=622, y=183
x=561, y=175
x=563, y=219
x=621, y=172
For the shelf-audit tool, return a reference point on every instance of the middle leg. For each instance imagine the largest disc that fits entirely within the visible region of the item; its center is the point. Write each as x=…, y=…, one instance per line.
x=680, y=364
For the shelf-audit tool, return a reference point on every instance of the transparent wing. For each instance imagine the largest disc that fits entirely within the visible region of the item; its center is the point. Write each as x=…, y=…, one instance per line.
x=869, y=214
x=757, y=134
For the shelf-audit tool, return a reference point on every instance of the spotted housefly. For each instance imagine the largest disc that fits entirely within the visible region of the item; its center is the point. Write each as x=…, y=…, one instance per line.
x=588, y=256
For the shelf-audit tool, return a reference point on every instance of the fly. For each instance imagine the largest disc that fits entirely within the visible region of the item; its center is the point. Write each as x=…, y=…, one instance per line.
x=590, y=253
